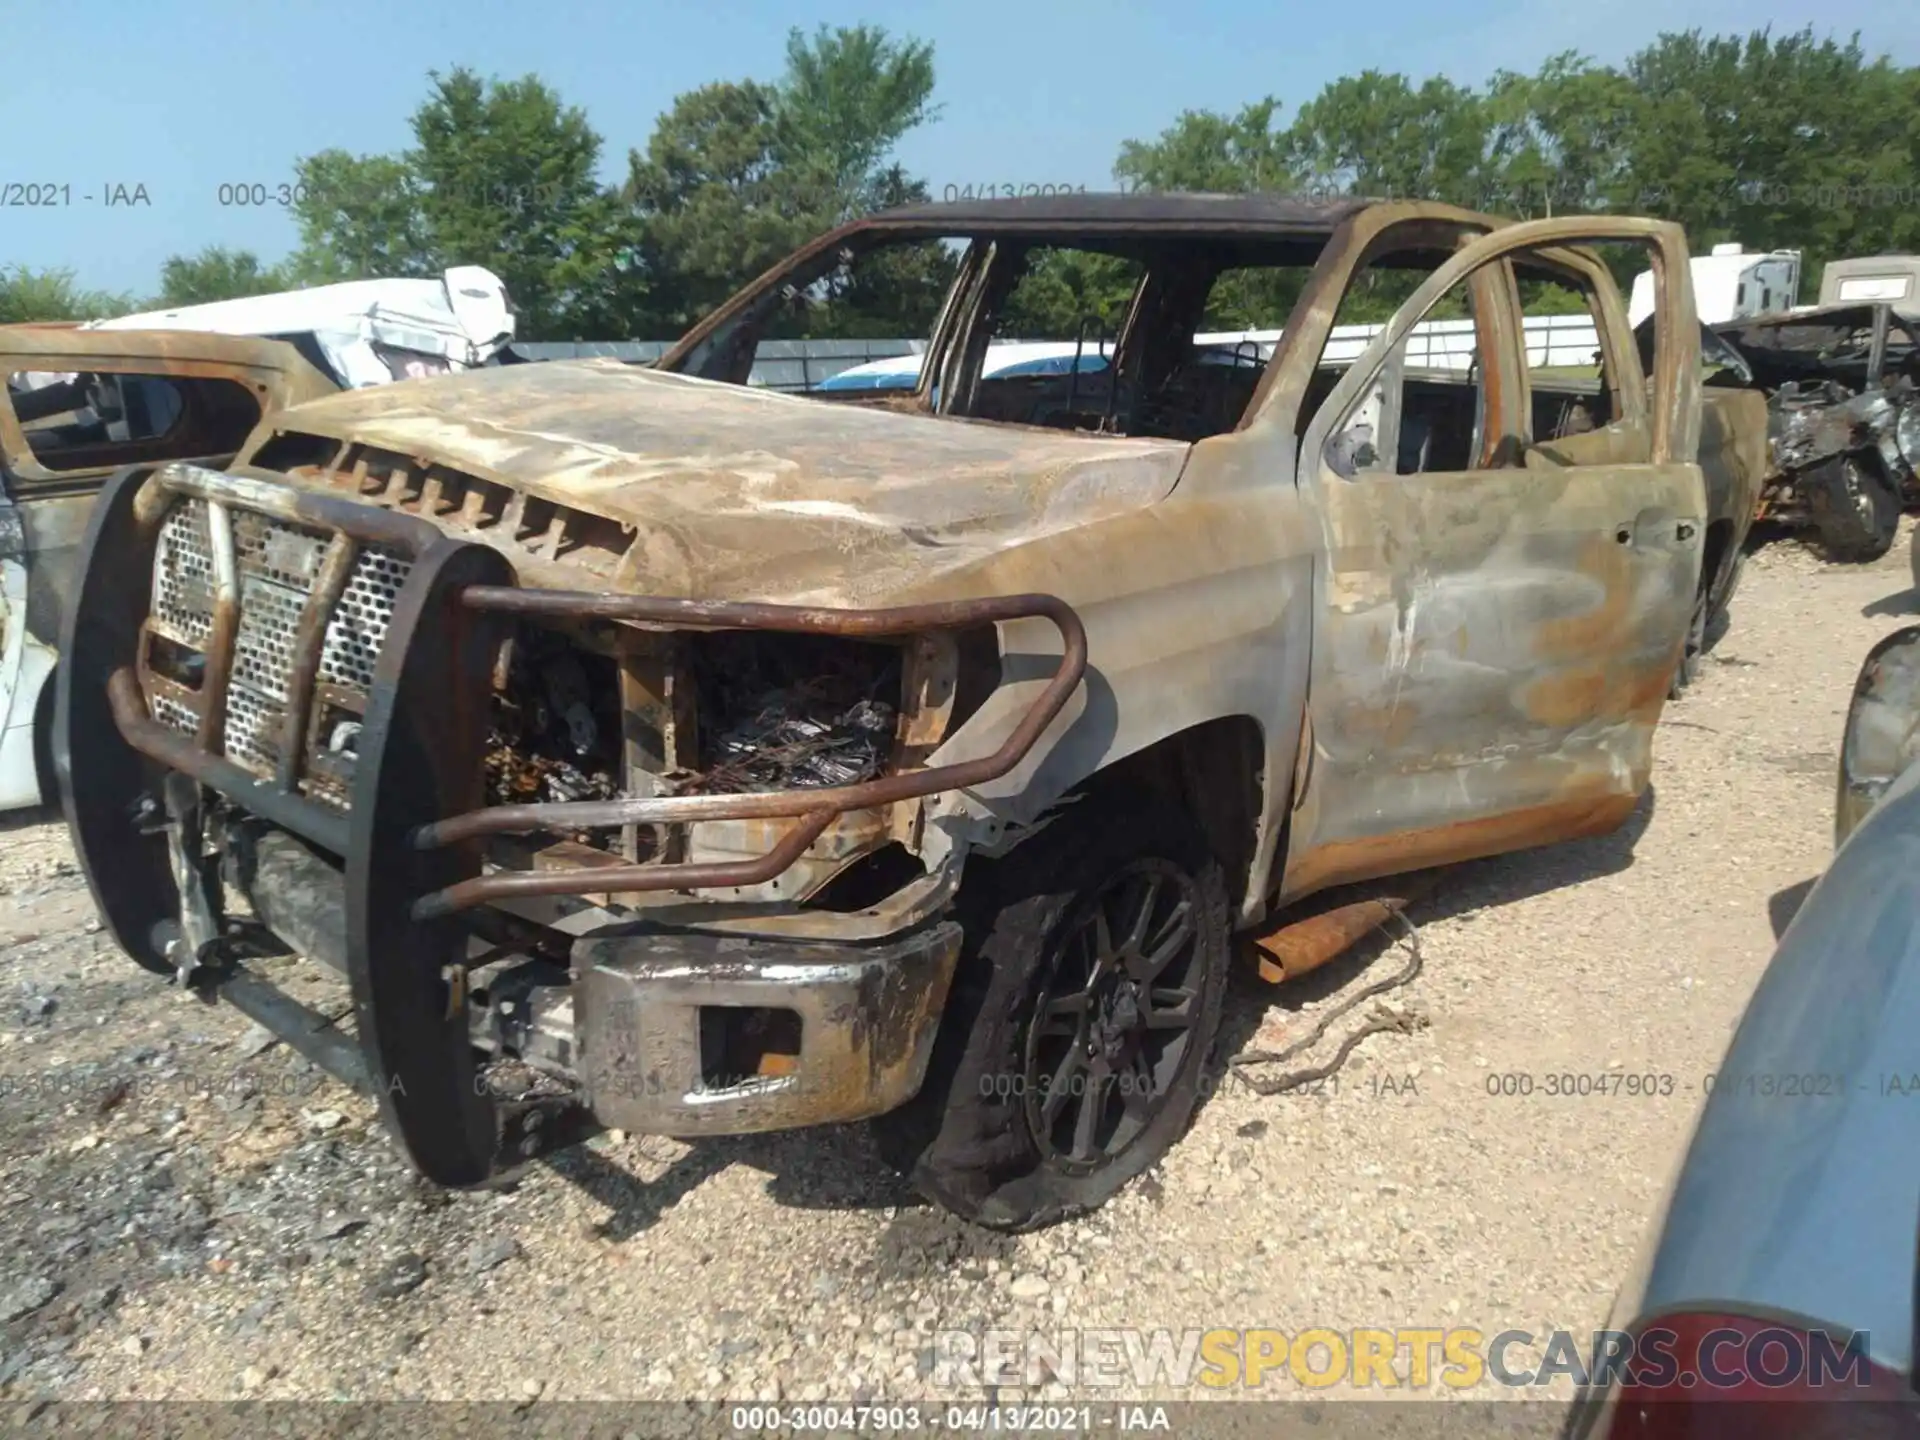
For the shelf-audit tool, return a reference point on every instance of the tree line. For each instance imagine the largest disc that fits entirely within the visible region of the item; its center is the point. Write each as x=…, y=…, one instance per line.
x=1787, y=140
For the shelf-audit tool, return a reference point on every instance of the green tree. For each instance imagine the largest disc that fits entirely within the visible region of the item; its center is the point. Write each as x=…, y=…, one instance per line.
x=1560, y=140
x=1210, y=152
x=28, y=295
x=846, y=99
x=888, y=292
x=1775, y=141
x=1070, y=295
x=501, y=174
x=360, y=218
x=506, y=177
x=739, y=173
x=217, y=273
x=1375, y=134
x=715, y=205
x=1772, y=140
x=1206, y=151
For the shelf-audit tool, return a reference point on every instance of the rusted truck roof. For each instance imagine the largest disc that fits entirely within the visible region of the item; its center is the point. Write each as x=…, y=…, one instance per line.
x=1185, y=213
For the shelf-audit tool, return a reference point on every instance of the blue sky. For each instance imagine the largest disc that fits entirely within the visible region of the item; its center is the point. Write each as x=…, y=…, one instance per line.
x=181, y=97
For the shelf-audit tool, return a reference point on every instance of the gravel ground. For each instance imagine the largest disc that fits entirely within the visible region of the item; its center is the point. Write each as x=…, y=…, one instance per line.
x=201, y=1216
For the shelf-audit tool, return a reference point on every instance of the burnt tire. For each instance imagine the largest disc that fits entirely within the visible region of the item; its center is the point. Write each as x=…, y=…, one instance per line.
x=1720, y=618
x=1089, y=984
x=1693, y=652
x=43, y=771
x=1855, y=509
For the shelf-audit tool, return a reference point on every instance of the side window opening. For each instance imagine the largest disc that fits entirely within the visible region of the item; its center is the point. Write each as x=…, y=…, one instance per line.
x=1219, y=334
x=1589, y=397
x=1573, y=391
x=1385, y=281
x=1426, y=412
x=1562, y=329
x=89, y=420
x=1171, y=342
x=1053, y=356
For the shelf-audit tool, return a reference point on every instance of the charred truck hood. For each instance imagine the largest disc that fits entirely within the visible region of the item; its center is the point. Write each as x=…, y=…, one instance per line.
x=718, y=491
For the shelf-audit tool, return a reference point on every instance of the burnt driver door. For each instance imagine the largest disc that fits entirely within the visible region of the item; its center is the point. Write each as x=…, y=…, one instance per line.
x=1497, y=615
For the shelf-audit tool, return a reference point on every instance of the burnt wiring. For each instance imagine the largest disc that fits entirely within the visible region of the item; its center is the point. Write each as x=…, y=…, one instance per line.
x=794, y=715
x=555, y=726
x=1381, y=1020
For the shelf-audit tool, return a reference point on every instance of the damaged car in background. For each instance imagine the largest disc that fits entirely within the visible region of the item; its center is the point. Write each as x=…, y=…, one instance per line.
x=75, y=406
x=1845, y=420
x=1788, y=1225
x=622, y=746
x=79, y=401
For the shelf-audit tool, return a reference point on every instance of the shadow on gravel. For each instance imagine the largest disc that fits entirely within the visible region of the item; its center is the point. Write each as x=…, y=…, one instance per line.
x=1457, y=889
x=1901, y=602
x=825, y=1168
x=1783, y=905
x=13, y=820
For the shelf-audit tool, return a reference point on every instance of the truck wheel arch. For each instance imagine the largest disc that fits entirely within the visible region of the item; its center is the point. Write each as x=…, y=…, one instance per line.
x=1215, y=772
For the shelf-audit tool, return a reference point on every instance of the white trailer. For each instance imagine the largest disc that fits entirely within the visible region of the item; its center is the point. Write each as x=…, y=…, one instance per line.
x=1731, y=283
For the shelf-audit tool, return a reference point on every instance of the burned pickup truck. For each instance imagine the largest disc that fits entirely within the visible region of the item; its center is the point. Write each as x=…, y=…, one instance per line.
x=637, y=748
x=1845, y=420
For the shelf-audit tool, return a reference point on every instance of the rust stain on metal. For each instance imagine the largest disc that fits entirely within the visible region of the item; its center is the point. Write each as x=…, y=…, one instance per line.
x=328, y=585
x=226, y=627
x=618, y=879
x=1310, y=942
x=1571, y=818
x=1602, y=627
x=1325, y=927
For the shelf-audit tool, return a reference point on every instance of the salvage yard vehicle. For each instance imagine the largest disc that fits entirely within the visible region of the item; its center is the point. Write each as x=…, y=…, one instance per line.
x=1845, y=429
x=1781, y=1266
x=76, y=405
x=640, y=749
x=364, y=332
x=79, y=401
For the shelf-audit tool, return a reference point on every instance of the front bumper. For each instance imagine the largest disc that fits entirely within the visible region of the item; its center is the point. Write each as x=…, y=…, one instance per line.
x=652, y=1015
x=314, y=616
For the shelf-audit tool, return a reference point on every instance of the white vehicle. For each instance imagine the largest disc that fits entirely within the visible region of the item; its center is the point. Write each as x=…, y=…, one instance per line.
x=364, y=332
x=1731, y=283
x=902, y=372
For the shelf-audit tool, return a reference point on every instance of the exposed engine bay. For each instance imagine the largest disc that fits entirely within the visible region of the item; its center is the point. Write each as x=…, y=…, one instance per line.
x=794, y=711
x=556, y=723
x=767, y=712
